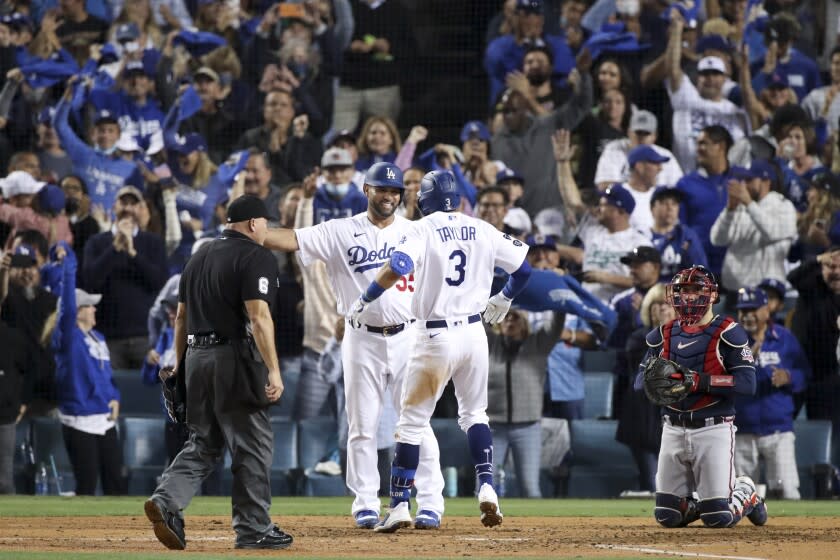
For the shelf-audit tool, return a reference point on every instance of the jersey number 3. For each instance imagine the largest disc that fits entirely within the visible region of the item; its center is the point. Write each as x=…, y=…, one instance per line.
x=457, y=262
x=404, y=283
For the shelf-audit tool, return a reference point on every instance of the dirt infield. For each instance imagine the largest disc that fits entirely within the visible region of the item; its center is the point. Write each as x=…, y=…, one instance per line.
x=812, y=538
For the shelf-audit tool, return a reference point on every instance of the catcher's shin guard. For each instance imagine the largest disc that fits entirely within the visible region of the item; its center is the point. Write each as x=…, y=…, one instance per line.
x=672, y=511
x=717, y=514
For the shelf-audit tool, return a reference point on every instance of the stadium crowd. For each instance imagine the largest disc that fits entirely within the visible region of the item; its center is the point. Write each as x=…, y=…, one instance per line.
x=623, y=140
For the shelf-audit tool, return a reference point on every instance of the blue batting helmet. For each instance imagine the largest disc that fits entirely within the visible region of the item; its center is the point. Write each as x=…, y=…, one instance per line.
x=384, y=174
x=438, y=192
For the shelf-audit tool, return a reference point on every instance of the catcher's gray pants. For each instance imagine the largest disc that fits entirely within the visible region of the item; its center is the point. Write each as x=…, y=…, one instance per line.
x=248, y=435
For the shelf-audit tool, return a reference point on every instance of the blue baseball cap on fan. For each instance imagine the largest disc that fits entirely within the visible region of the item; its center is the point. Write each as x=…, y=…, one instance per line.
x=761, y=169
x=508, y=174
x=475, y=129
x=530, y=6
x=773, y=284
x=751, y=298
x=618, y=196
x=644, y=152
x=190, y=143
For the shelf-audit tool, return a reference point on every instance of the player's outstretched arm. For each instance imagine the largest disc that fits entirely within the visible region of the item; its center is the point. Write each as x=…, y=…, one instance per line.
x=281, y=239
x=399, y=265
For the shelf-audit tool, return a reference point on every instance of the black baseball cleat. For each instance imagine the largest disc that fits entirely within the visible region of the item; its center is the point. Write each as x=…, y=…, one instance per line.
x=169, y=528
x=275, y=539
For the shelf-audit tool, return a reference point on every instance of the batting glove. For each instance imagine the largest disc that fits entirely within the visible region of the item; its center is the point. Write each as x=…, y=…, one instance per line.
x=497, y=307
x=356, y=312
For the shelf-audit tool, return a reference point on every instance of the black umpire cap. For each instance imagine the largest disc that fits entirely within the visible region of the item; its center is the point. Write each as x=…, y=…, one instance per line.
x=246, y=207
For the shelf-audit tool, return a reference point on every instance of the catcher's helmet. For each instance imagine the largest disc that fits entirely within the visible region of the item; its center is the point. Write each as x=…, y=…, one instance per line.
x=438, y=192
x=384, y=174
x=691, y=292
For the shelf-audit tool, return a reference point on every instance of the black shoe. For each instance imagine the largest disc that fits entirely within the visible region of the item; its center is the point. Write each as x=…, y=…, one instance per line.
x=169, y=528
x=275, y=539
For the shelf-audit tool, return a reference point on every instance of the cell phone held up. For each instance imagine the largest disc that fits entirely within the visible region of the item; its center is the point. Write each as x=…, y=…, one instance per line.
x=290, y=10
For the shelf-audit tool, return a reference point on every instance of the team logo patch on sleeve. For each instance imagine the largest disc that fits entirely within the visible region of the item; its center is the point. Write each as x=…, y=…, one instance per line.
x=262, y=285
x=747, y=355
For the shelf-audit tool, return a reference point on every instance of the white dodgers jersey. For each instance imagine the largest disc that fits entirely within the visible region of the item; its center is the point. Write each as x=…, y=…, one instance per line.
x=454, y=257
x=354, y=250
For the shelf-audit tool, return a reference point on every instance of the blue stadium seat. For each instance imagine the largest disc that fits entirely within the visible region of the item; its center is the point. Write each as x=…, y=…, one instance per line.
x=452, y=441
x=48, y=440
x=135, y=397
x=317, y=437
x=598, y=394
x=144, y=451
x=601, y=467
x=813, y=447
x=598, y=360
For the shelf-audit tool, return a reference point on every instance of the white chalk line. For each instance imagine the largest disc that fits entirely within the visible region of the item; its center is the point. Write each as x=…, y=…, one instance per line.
x=647, y=550
x=494, y=539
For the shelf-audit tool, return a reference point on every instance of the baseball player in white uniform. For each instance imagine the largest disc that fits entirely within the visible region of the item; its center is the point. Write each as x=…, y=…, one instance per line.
x=452, y=257
x=376, y=348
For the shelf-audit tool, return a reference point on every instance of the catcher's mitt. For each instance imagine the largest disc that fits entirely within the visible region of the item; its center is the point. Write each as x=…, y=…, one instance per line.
x=173, y=395
x=667, y=382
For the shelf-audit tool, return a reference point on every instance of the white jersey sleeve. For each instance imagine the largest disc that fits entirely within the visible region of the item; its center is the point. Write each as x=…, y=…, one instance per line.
x=510, y=252
x=315, y=243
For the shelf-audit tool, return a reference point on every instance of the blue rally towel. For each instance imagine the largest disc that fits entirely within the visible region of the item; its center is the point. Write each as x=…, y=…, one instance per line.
x=548, y=291
x=189, y=105
x=199, y=43
x=45, y=72
x=687, y=9
x=611, y=40
x=229, y=169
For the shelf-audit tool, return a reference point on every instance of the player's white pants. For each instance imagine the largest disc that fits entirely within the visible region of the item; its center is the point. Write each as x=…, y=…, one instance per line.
x=700, y=460
x=779, y=455
x=372, y=363
x=458, y=352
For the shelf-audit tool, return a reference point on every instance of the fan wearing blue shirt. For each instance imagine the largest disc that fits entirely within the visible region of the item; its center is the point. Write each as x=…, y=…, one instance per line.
x=765, y=419
x=679, y=246
x=506, y=53
x=800, y=71
x=138, y=113
x=704, y=191
x=99, y=168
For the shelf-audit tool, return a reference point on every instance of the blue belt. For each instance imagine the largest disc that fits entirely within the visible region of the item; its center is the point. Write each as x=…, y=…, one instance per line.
x=443, y=324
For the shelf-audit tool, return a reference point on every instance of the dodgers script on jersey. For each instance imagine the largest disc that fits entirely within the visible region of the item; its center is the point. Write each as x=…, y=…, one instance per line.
x=463, y=251
x=363, y=248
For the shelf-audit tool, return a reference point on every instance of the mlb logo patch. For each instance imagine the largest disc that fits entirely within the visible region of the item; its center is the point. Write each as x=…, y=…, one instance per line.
x=747, y=355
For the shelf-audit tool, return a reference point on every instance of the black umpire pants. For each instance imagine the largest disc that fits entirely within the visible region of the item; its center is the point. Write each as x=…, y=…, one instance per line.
x=247, y=433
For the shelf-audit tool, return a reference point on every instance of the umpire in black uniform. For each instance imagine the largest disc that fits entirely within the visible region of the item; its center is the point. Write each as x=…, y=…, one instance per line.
x=224, y=334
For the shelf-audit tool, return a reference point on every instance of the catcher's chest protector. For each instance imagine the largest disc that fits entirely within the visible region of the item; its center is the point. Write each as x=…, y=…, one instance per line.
x=697, y=351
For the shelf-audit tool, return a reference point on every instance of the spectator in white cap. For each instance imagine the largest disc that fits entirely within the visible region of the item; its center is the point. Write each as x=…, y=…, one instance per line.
x=44, y=211
x=696, y=107
x=338, y=196
x=613, y=166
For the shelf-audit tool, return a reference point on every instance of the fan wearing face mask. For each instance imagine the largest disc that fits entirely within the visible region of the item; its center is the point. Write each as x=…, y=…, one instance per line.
x=338, y=196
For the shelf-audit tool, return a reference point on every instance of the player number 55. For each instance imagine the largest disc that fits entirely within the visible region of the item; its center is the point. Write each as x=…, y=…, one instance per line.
x=404, y=283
